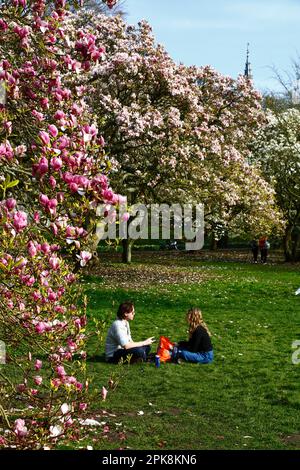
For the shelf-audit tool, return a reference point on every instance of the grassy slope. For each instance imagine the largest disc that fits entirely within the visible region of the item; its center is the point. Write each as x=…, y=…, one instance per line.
x=251, y=389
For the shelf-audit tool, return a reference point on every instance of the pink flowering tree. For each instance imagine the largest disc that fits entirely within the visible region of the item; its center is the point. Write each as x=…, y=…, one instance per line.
x=53, y=175
x=175, y=133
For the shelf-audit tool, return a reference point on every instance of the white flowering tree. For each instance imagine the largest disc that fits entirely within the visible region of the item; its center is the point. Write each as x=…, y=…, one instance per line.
x=176, y=133
x=277, y=150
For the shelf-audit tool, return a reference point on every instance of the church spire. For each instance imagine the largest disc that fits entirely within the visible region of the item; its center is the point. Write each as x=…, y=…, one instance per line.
x=248, y=72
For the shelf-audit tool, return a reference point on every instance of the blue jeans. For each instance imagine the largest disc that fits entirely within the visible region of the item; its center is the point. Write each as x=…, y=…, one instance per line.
x=199, y=357
x=136, y=353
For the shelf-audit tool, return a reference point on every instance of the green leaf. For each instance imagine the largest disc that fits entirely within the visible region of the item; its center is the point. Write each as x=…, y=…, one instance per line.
x=3, y=267
x=11, y=184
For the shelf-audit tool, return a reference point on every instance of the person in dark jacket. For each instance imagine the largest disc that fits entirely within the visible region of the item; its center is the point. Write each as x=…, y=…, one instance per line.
x=264, y=246
x=254, y=249
x=198, y=348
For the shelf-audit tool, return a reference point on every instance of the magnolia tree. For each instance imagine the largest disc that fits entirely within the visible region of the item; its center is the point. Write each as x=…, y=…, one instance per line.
x=235, y=194
x=277, y=149
x=52, y=167
x=175, y=134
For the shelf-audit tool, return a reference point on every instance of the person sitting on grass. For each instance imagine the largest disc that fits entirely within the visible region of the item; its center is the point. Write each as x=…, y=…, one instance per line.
x=198, y=348
x=119, y=344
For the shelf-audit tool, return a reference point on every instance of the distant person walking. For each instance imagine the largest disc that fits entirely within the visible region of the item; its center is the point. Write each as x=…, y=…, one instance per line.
x=254, y=249
x=264, y=247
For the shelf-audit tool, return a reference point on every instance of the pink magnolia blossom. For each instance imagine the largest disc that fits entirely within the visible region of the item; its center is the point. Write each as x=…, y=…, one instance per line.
x=37, y=296
x=61, y=371
x=60, y=197
x=69, y=421
x=104, y=393
x=31, y=249
x=53, y=130
x=20, y=429
x=39, y=116
x=6, y=150
x=71, y=380
x=125, y=217
x=54, y=228
x=8, y=126
x=38, y=380
x=44, y=136
x=40, y=327
x=22, y=32
x=79, y=386
x=42, y=166
x=59, y=115
x=20, y=150
x=56, y=383
x=56, y=163
x=38, y=364
x=10, y=203
x=20, y=220
x=72, y=345
x=54, y=262
x=73, y=187
x=56, y=431
x=52, y=182
x=52, y=204
x=65, y=408
x=44, y=103
x=111, y=3
x=84, y=257
x=21, y=262
x=52, y=296
x=43, y=199
x=45, y=248
x=3, y=25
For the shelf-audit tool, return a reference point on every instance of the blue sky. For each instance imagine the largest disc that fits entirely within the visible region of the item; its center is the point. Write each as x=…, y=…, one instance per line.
x=216, y=32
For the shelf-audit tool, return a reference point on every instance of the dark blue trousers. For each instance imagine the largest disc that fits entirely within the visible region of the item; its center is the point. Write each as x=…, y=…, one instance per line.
x=135, y=353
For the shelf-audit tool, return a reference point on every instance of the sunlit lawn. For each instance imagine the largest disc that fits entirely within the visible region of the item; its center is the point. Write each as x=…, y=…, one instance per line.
x=247, y=399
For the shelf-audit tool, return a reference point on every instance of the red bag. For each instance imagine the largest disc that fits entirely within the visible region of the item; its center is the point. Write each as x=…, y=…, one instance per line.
x=164, y=349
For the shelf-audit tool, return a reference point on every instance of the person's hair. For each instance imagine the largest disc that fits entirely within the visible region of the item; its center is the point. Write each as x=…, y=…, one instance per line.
x=125, y=307
x=195, y=319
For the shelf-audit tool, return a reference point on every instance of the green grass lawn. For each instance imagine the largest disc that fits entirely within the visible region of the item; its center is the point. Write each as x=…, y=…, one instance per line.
x=248, y=398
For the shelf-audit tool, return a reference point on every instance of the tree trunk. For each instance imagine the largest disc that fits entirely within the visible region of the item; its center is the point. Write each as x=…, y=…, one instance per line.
x=127, y=247
x=224, y=241
x=213, y=242
x=296, y=240
x=288, y=251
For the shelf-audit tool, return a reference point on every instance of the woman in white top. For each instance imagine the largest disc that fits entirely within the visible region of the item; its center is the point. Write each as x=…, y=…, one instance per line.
x=119, y=344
